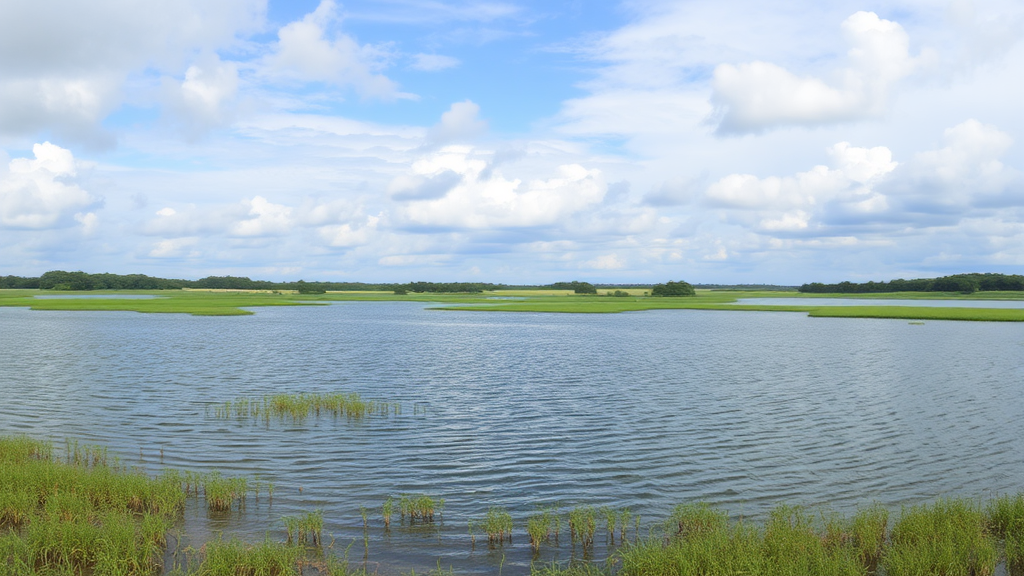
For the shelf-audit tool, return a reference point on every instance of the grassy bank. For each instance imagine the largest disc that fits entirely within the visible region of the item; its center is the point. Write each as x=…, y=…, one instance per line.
x=78, y=513
x=209, y=303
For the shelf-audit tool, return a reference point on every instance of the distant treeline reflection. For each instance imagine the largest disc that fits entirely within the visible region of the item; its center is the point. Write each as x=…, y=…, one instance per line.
x=965, y=283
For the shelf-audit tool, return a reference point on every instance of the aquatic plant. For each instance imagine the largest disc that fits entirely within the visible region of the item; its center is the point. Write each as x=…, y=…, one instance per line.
x=387, y=509
x=497, y=525
x=538, y=527
x=582, y=525
x=300, y=406
x=419, y=507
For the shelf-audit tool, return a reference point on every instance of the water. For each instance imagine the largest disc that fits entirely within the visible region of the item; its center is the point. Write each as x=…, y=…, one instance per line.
x=881, y=302
x=645, y=410
x=97, y=297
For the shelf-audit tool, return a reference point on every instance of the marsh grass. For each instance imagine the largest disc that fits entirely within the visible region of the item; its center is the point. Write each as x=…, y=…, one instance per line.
x=76, y=515
x=947, y=538
x=541, y=525
x=387, y=510
x=299, y=407
x=583, y=525
x=497, y=525
x=419, y=507
x=222, y=494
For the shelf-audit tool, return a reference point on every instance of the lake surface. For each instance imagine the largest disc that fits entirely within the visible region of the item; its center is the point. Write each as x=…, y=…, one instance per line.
x=97, y=297
x=881, y=302
x=645, y=410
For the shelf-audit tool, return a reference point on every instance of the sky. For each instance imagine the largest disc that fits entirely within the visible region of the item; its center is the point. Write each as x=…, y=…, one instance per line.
x=521, y=142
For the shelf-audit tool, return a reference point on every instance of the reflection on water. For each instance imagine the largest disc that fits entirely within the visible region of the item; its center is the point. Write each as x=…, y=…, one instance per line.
x=881, y=302
x=645, y=410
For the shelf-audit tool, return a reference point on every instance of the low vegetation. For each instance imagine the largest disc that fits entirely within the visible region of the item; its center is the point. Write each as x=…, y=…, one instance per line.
x=298, y=407
x=79, y=512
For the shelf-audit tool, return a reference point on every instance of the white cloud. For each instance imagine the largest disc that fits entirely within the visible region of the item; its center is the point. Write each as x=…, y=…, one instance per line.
x=63, y=68
x=606, y=262
x=305, y=53
x=972, y=154
x=497, y=202
x=267, y=219
x=433, y=62
x=175, y=248
x=759, y=95
x=461, y=121
x=205, y=98
x=39, y=193
x=347, y=235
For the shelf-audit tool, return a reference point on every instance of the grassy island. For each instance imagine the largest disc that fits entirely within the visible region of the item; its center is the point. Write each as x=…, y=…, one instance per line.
x=231, y=303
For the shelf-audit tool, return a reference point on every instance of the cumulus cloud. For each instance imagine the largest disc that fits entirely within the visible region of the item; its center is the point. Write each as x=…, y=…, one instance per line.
x=203, y=100
x=349, y=235
x=461, y=121
x=63, y=69
x=304, y=52
x=966, y=172
x=265, y=219
x=498, y=202
x=175, y=248
x=433, y=62
x=40, y=193
x=790, y=203
x=424, y=187
x=756, y=96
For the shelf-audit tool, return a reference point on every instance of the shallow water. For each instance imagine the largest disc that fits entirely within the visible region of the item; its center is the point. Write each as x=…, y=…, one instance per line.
x=645, y=410
x=881, y=302
x=97, y=296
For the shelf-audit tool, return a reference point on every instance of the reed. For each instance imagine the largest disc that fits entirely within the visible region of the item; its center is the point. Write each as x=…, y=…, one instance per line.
x=539, y=527
x=419, y=507
x=947, y=538
x=312, y=524
x=298, y=407
x=235, y=558
x=497, y=525
x=625, y=516
x=582, y=525
x=1014, y=548
x=1005, y=512
x=387, y=509
x=223, y=493
x=610, y=516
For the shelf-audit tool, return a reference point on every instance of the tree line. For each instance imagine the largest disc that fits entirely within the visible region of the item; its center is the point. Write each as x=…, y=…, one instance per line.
x=964, y=283
x=62, y=280
x=82, y=281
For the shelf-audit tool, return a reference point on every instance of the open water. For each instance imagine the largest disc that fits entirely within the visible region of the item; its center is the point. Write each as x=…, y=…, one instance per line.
x=646, y=410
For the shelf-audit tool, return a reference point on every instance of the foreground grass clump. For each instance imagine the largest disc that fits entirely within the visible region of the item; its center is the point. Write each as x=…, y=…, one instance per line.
x=78, y=515
x=947, y=538
x=301, y=406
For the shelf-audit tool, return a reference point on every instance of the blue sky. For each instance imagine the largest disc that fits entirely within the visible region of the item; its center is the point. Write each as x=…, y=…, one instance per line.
x=519, y=142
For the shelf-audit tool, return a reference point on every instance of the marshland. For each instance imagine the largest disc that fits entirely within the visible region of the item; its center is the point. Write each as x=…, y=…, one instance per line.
x=781, y=438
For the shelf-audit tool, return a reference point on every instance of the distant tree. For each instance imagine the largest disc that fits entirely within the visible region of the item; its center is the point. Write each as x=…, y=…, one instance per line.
x=309, y=287
x=401, y=291
x=673, y=289
x=963, y=284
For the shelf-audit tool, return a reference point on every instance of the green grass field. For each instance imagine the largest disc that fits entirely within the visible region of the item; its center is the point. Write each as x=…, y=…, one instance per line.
x=226, y=303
